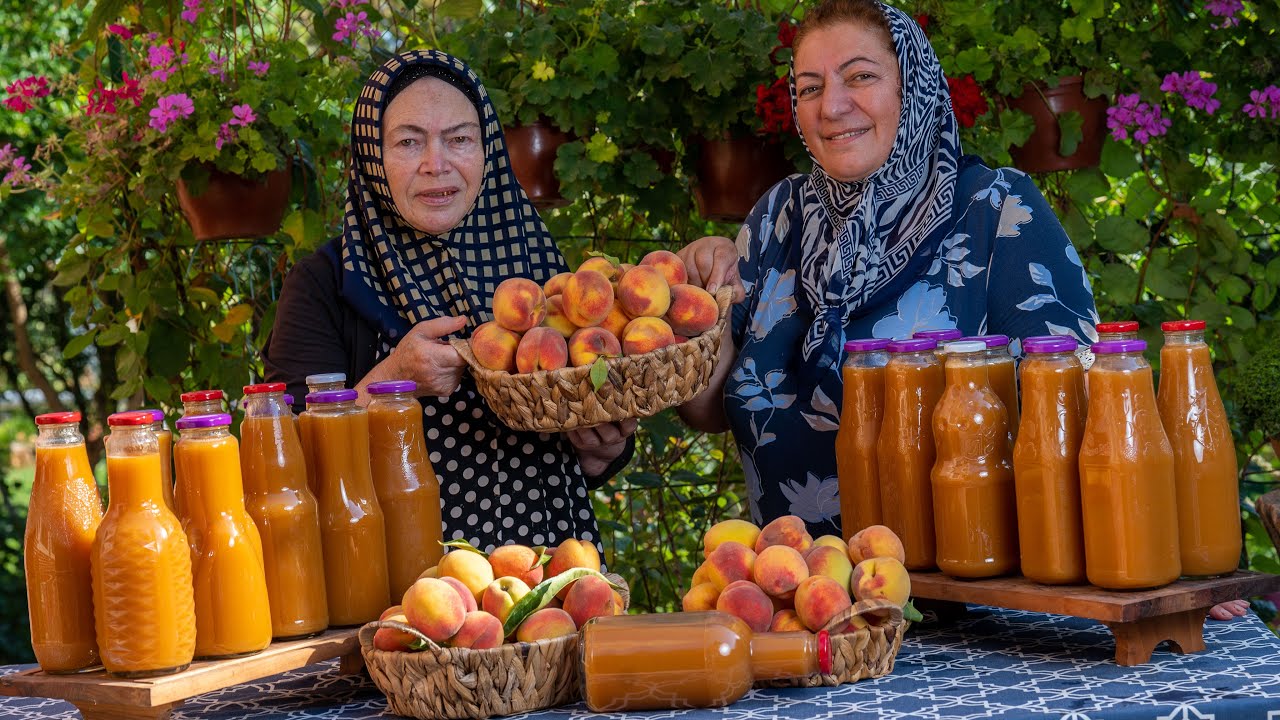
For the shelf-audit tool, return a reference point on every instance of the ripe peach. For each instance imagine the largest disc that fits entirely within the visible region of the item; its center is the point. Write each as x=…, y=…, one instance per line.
x=434, y=609
x=693, y=310
x=832, y=540
x=470, y=568
x=480, y=631
x=875, y=541
x=616, y=321
x=589, y=343
x=829, y=561
x=589, y=597
x=393, y=610
x=881, y=577
x=546, y=624
x=431, y=572
x=819, y=599
x=555, y=285
x=643, y=292
x=391, y=638
x=602, y=265
x=572, y=554
x=646, y=333
x=624, y=267
x=619, y=605
x=518, y=304
x=468, y=600
x=730, y=562
x=700, y=597
x=745, y=600
x=786, y=530
x=542, y=348
x=556, y=319
x=734, y=529
x=778, y=570
x=501, y=595
x=669, y=264
x=786, y=621
x=516, y=561
x=495, y=346
x=587, y=297
x=700, y=575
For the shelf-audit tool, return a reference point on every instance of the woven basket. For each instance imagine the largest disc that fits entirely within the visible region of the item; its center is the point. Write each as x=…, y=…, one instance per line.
x=864, y=653
x=446, y=683
x=637, y=385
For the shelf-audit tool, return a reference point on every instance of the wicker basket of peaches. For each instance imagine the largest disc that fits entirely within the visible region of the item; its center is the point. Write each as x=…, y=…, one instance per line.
x=603, y=343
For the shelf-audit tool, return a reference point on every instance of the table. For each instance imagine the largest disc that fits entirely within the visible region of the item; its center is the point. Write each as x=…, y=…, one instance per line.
x=990, y=664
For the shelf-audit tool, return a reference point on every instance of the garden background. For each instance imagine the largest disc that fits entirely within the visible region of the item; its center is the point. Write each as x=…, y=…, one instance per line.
x=109, y=301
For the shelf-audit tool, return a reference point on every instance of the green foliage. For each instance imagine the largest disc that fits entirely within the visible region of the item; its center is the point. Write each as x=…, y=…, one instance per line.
x=1259, y=396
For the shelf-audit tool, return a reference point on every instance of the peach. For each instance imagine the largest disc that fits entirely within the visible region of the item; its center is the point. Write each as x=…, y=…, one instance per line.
x=875, y=541
x=669, y=264
x=646, y=333
x=830, y=561
x=434, y=609
x=589, y=597
x=555, y=285
x=468, y=600
x=602, y=265
x=786, y=530
x=518, y=304
x=881, y=577
x=392, y=639
x=617, y=320
x=556, y=319
x=624, y=267
x=546, y=624
x=832, y=540
x=501, y=595
x=480, y=631
x=700, y=575
x=495, y=346
x=786, y=621
x=589, y=343
x=745, y=600
x=700, y=597
x=643, y=292
x=730, y=562
x=431, y=572
x=572, y=554
x=734, y=529
x=778, y=570
x=587, y=298
x=470, y=568
x=787, y=603
x=619, y=605
x=542, y=348
x=516, y=561
x=819, y=599
x=693, y=310
x=393, y=610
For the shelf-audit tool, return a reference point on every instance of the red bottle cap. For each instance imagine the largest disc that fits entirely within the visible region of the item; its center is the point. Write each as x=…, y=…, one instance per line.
x=263, y=388
x=1182, y=325
x=1118, y=326
x=126, y=419
x=58, y=418
x=824, y=652
x=201, y=395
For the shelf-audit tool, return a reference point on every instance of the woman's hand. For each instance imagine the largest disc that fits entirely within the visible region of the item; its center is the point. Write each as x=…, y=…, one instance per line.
x=712, y=262
x=1229, y=609
x=598, y=445
x=421, y=356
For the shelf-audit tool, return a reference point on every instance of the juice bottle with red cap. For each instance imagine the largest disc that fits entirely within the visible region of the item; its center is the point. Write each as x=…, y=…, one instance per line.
x=860, y=417
x=201, y=402
x=1204, y=453
x=1117, y=330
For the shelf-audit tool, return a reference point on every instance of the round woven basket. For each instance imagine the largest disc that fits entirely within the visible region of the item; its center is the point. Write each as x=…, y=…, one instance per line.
x=637, y=386
x=859, y=654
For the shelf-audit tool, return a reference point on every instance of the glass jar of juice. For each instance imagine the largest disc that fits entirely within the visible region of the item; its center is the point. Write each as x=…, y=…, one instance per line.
x=860, y=415
x=62, y=519
x=233, y=616
x=286, y=513
x=974, y=507
x=352, y=528
x=1204, y=454
x=913, y=383
x=201, y=402
x=143, y=602
x=688, y=660
x=1046, y=467
x=1128, y=496
x=1118, y=330
x=1002, y=372
x=405, y=482
x=315, y=383
x=165, y=437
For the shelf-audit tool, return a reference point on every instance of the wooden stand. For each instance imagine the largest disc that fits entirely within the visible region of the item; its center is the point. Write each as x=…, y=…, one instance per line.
x=100, y=696
x=1140, y=620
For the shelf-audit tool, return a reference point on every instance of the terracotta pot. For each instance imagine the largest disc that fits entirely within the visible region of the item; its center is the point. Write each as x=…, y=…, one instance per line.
x=733, y=173
x=232, y=206
x=533, y=155
x=1040, y=152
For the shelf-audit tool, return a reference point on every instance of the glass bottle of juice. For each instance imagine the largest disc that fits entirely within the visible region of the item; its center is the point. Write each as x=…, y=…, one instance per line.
x=352, y=528
x=1046, y=466
x=1204, y=454
x=315, y=383
x=1118, y=330
x=62, y=518
x=233, y=616
x=405, y=482
x=688, y=660
x=913, y=382
x=1002, y=372
x=974, y=507
x=1127, y=491
x=143, y=602
x=860, y=416
x=165, y=437
x=201, y=402
x=286, y=513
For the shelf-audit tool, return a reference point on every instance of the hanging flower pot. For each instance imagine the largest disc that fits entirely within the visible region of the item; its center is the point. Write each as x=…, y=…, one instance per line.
x=733, y=173
x=233, y=206
x=533, y=156
x=1040, y=153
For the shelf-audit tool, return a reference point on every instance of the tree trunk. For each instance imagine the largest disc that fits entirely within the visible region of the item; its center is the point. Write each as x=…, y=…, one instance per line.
x=22, y=340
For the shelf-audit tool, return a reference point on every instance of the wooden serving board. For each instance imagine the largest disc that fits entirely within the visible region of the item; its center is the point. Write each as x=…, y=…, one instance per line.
x=100, y=696
x=1139, y=619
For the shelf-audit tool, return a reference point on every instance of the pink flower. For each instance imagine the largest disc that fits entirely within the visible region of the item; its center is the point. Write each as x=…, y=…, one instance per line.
x=1130, y=113
x=170, y=108
x=130, y=90
x=193, y=9
x=1225, y=9
x=353, y=25
x=124, y=32
x=1265, y=101
x=259, y=68
x=217, y=66
x=20, y=172
x=226, y=134
x=1195, y=90
x=242, y=115
x=6, y=152
x=101, y=101
x=22, y=92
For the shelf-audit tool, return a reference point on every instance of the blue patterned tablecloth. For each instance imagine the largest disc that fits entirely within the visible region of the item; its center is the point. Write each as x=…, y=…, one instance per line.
x=992, y=664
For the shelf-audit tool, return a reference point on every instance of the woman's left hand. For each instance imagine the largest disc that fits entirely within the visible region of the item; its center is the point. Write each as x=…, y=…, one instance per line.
x=1229, y=609
x=598, y=445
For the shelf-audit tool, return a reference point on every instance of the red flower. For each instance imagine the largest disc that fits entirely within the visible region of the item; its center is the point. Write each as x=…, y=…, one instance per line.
x=923, y=21
x=967, y=100
x=22, y=92
x=773, y=107
x=787, y=33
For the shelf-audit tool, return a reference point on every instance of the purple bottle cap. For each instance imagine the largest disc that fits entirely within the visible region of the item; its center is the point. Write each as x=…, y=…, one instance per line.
x=939, y=335
x=204, y=421
x=331, y=396
x=288, y=399
x=913, y=345
x=992, y=341
x=1050, y=344
x=866, y=345
x=156, y=415
x=386, y=387
x=1118, y=346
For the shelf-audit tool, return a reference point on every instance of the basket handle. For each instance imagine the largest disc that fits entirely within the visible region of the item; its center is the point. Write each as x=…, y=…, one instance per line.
x=867, y=607
x=368, y=629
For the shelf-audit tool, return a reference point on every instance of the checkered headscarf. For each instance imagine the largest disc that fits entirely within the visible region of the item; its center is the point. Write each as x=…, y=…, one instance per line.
x=397, y=276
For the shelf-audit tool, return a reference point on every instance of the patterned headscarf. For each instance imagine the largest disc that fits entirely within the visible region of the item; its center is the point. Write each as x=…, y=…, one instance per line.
x=395, y=275
x=858, y=237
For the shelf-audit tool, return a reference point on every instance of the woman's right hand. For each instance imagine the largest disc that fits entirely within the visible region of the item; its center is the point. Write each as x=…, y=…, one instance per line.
x=712, y=262
x=421, y=356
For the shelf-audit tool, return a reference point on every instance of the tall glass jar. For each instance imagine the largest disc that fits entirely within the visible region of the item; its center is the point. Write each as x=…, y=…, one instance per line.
x=860, y=417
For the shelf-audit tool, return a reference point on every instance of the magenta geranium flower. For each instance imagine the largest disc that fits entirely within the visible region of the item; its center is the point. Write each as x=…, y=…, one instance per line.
x=123, y=32
x=169, y=109
x=192, y=11
x=259, y=68
x=242, y=115
x=217, y=66
x=1225, y=9
x=1194, y=89
x=1263, y=102
x=22, y=92
x=351, y=26
x=20, y=172
x=1131, y=114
